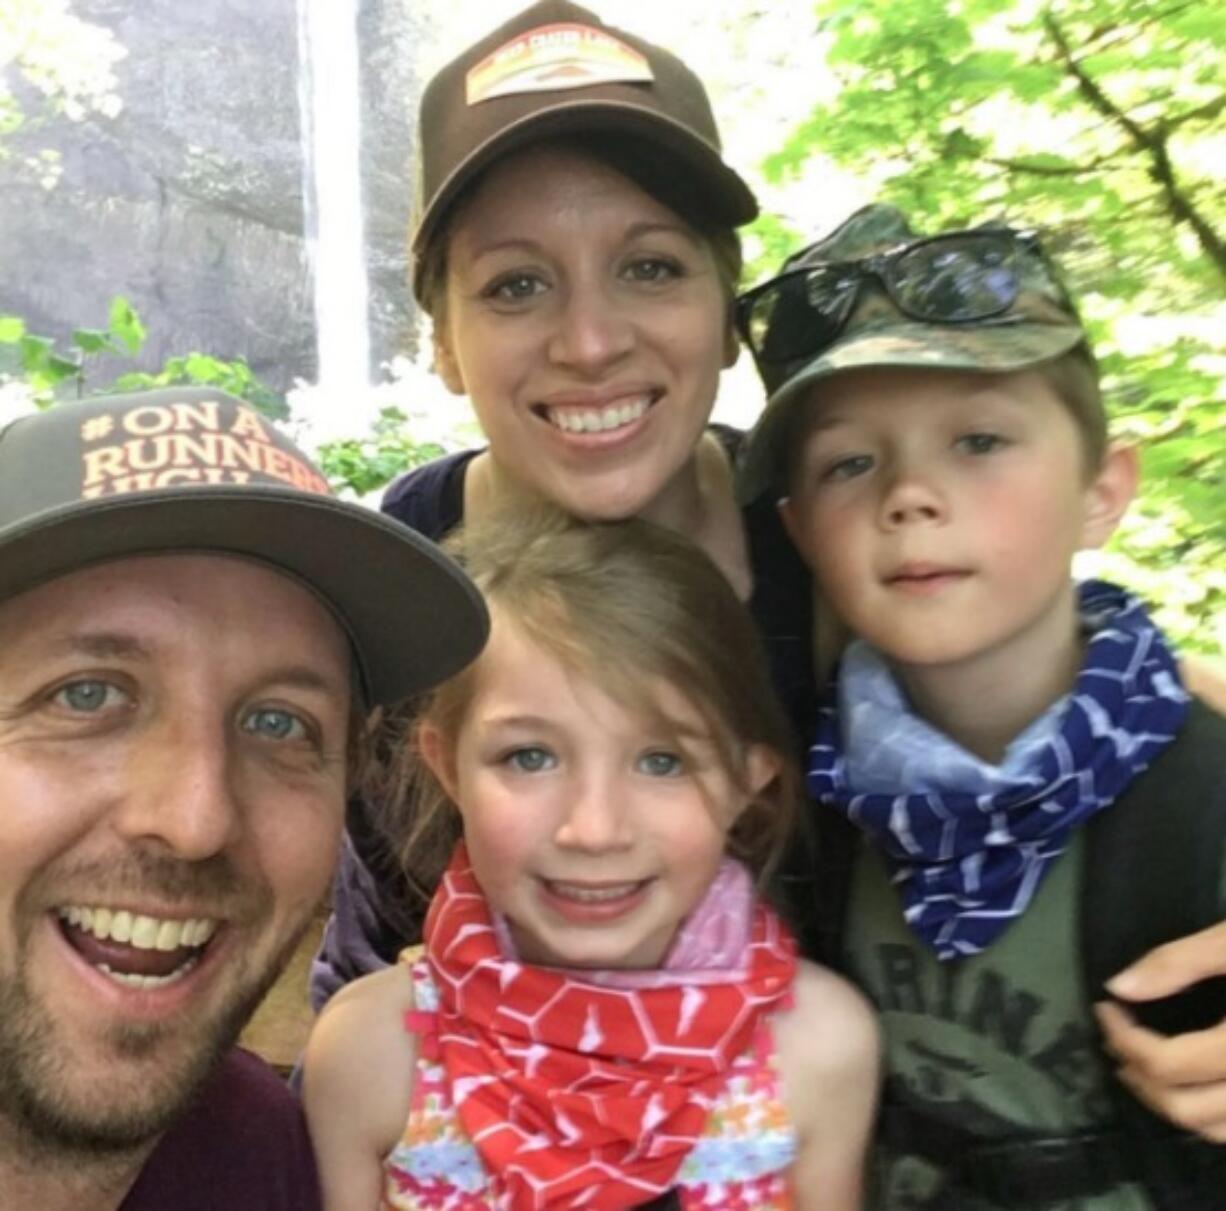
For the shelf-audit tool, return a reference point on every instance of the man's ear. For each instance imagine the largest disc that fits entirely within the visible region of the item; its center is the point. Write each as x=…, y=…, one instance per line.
x=439, y=757
x=445, y=364
x=1110, y=493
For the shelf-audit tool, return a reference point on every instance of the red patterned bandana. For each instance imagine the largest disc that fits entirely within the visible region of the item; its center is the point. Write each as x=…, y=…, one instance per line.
x=579, y=1095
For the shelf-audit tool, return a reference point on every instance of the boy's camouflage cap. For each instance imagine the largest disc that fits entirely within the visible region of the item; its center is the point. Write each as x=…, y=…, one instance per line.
x=1041, y=325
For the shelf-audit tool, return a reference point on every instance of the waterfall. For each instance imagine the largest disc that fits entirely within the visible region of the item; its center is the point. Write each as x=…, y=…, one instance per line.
x=330, y=101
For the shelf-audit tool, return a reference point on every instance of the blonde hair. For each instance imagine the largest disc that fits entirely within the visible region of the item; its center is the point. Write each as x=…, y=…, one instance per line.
x=626, y=605
x=1074, y=380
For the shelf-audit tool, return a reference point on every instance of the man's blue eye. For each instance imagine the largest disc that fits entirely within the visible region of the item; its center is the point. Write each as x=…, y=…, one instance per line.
x=661, y=764
x=531, y=760
x=87, y=696
x=275, y=724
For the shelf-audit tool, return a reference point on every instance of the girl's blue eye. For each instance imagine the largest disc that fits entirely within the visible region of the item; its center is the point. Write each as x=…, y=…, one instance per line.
x=531, y=759
x=88, y=696
x=274, y=723
x=661, y=764
x=980, y=443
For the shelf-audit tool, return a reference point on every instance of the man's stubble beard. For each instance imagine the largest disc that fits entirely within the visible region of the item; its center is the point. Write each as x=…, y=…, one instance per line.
x=36, y=1085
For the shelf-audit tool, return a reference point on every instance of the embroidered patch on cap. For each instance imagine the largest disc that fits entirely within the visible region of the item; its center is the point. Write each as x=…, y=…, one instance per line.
x=149, y=446
x=552, y=58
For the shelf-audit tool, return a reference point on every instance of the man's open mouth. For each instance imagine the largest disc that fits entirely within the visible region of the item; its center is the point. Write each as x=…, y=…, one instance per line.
x=133, y=949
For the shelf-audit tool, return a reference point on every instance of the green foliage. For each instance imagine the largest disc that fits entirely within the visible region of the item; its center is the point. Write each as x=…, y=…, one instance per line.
x=360, y=465
x=65, y=67
x=201, y=370
x=39, y=362
x=125, y=326
x=1102, y=122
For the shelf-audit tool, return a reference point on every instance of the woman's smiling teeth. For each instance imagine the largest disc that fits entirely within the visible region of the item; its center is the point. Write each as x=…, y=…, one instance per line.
x=571, y=419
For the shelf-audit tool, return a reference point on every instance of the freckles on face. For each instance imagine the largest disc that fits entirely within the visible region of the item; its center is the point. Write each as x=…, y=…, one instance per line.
x=587, y=324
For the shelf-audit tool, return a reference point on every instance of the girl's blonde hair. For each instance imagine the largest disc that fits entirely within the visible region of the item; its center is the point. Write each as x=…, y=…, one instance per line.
x=626, y=605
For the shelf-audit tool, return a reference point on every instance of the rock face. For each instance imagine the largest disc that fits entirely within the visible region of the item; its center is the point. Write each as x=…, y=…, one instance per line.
x=190, y=201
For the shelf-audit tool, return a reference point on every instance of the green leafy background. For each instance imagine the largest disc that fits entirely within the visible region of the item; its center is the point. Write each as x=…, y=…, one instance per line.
x=1100, y=122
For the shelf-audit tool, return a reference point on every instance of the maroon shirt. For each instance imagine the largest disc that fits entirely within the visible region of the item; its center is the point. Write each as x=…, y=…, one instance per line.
x=243, y=1146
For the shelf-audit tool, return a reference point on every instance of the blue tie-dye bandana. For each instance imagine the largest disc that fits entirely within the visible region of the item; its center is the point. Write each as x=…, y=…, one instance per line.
x=967, y=861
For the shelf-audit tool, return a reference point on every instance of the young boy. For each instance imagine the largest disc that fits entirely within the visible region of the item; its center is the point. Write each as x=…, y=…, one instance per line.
x=936, y=430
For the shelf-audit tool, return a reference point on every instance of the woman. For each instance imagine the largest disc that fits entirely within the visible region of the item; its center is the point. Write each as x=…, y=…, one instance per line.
x=577, y=252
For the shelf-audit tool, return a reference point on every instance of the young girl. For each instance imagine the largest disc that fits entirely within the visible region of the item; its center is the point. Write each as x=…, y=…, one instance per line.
x=603, y=1012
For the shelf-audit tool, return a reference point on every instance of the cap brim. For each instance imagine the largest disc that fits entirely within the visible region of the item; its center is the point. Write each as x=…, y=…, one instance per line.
x=729, y=198
x=413, y=617
x=1001, y=349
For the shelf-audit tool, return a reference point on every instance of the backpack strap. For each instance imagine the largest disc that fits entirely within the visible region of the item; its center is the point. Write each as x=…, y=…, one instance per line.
x=1153, y=874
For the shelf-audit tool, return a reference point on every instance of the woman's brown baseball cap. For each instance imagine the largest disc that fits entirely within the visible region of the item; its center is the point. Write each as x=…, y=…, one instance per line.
x=557, y=69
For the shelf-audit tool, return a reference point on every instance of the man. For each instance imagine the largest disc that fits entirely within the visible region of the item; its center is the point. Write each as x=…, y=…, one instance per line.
x=191, y=633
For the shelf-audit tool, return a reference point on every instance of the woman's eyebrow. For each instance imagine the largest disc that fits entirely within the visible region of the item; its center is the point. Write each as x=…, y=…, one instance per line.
x=507, y=244
x=662, y=227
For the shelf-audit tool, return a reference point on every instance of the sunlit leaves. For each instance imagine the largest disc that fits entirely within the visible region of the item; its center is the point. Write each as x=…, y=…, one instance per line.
x=1102, y=122
x=362, y=465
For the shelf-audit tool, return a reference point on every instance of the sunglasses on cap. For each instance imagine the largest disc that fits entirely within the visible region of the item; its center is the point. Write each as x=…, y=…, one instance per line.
x=957, y=278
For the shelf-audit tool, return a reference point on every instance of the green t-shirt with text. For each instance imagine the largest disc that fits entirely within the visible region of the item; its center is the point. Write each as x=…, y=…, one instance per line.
x=996, y=1043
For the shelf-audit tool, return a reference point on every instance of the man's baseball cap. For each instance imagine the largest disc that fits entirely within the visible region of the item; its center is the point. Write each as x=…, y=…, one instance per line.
x=557, y=69
x=194, y=469
x=1040, y=324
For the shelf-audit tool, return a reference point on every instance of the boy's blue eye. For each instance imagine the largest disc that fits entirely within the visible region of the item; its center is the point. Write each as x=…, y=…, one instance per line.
x=531, y=759
x=660, y=764
x=849, y=468
x=980, y=443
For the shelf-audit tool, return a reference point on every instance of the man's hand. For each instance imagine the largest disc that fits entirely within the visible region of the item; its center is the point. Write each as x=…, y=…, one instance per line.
x=1183, y=1077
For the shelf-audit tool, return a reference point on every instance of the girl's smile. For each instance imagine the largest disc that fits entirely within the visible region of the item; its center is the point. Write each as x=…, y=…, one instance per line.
x=593, y=830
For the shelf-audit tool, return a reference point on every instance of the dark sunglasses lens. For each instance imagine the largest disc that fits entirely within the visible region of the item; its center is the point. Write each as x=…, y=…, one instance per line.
x=799, y=314
x=967, y=277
